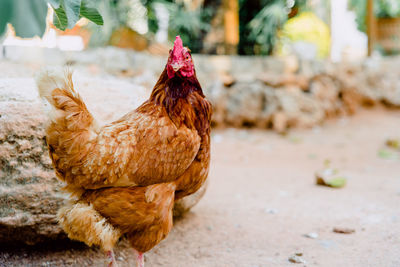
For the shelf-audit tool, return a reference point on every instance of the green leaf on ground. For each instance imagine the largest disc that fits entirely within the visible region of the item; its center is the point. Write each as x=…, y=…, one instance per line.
x=337, y=182
x=330, y=177
x=387, y=154
x=295, y=139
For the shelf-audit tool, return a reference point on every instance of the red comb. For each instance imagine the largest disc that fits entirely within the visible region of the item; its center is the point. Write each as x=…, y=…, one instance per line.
x=178, y=46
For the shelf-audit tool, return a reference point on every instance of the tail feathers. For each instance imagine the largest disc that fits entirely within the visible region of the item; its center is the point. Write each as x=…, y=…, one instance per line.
x=48, y=80
x=58, y=89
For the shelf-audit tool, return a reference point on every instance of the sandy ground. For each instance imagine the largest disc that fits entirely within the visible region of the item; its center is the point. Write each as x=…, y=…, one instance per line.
x=262, y=200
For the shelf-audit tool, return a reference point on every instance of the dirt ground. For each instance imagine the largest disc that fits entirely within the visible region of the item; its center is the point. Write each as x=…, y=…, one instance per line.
x=262, y=200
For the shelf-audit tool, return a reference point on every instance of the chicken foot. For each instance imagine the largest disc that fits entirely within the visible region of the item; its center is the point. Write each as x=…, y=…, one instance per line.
x=111, y=262
x=139, y=258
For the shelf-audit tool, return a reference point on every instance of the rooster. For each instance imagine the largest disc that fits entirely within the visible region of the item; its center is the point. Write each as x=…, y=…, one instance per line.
x=124, y=177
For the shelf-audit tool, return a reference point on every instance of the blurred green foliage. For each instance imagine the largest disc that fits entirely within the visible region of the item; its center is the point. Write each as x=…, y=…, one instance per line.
x=388, y=9
x=115, y=14
x=29, y=24
x=264, y=26
x=191, y=25
x=260, y=21
x=26, y=24
x=382, y=9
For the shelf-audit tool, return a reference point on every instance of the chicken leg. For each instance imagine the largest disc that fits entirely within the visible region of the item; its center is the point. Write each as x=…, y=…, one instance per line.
x=111, y=262
x=139, y=258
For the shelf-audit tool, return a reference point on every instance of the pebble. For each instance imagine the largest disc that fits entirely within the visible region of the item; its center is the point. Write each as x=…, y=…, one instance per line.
x=271, y=211
x=296, y=259
x=312, y=235
x=343, y=230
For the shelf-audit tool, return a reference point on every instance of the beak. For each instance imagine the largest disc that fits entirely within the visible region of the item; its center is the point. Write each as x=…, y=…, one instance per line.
x=176, y=66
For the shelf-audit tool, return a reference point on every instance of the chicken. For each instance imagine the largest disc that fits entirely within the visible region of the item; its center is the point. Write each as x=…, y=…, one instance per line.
x=126, y=175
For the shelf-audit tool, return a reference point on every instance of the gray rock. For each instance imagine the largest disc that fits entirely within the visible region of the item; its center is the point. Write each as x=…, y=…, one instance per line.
x=305, y=99
x=29, y=192
x=312, y=235
x=296, y=259
x=245, y=104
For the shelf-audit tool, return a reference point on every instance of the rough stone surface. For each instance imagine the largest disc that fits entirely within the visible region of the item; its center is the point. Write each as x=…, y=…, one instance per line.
x=307, y=98
x=29, y=193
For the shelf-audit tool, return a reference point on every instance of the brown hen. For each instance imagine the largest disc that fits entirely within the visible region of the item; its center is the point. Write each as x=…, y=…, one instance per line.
x=126, y=175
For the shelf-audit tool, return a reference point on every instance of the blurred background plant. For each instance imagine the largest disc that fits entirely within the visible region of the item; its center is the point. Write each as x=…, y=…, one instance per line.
x=33, y=23
x=385, y=35
x=132, y=23
x=136, y=21
x=124, y=24
x=260, y=22
x=255, y=27
x=382, y=9
x=187, y=19
x=263, y=26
